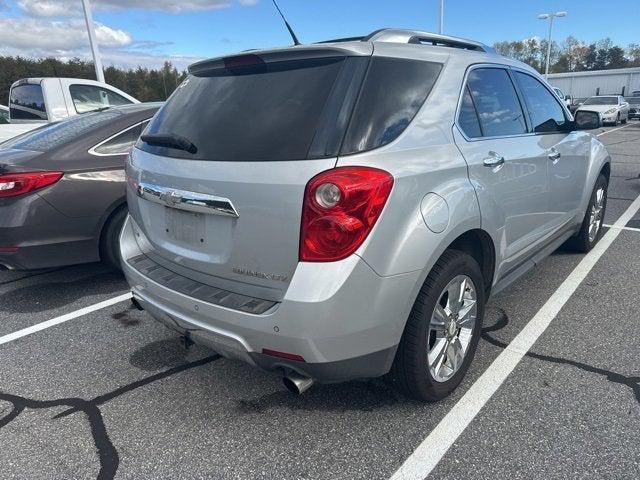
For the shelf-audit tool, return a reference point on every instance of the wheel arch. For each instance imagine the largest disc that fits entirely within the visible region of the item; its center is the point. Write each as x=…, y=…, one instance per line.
x=478, y=244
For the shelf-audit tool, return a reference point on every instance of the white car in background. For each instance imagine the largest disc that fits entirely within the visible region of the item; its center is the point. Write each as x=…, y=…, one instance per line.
x=566, y=99
x=4, y=114
x=614, y=108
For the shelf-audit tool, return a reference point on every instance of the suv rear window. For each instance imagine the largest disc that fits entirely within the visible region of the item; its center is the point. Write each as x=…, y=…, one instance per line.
x=278, y=110
x=26, y=102
x=269, y=111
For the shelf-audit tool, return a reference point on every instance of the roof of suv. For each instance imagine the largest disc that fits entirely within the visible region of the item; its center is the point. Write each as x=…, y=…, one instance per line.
x=363, y=46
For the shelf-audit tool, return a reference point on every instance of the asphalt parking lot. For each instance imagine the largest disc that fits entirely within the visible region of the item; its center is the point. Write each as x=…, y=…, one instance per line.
x=113, y=394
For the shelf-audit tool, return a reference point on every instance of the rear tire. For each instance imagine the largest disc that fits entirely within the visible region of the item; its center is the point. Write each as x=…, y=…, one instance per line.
x=424, y=342
x=110, y=238
x=591, y=228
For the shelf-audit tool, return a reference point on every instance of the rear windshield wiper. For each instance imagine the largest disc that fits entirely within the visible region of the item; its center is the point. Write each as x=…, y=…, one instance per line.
x=170, y=140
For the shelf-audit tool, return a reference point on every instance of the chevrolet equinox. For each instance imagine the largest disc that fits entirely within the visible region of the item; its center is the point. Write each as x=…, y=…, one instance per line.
x=343, y=210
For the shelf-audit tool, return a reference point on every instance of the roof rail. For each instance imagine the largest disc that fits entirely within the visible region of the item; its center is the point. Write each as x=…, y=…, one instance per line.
x=425, y=38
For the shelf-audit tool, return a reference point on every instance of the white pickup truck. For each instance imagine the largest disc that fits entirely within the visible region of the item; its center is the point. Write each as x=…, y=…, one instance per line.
x=36, y=101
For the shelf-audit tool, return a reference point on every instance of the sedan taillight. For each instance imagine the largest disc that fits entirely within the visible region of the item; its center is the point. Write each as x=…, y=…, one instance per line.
x=341, y=206
x=14, y=184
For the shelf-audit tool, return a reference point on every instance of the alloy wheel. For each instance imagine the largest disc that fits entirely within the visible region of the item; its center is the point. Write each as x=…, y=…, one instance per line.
x=596, y=214
x=451, y=328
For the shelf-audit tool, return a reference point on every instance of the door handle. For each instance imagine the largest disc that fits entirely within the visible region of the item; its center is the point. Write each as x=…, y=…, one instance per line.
x=555, y=156
x=493, y=160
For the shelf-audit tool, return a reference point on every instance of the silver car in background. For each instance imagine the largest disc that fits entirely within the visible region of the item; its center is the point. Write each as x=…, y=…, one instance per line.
x=343, y=210
x=614, y=108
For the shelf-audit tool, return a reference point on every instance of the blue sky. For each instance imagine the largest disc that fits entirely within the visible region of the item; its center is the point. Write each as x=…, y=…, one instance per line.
x=156, y=29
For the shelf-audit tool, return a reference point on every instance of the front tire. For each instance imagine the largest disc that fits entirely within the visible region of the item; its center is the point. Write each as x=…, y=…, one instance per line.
x=591, y=228
x=443, y=329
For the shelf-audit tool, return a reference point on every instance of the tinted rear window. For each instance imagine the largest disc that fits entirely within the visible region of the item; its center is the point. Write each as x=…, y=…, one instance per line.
x=269, y=111
x=294, y=110
x=27, y=103
x=57, y=134
x=393, y=92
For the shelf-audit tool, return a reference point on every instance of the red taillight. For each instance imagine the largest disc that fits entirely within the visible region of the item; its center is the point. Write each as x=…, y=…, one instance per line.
x=341, y=206
x=14, y=184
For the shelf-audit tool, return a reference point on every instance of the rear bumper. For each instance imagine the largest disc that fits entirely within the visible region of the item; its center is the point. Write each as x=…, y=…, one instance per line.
x=342, y=318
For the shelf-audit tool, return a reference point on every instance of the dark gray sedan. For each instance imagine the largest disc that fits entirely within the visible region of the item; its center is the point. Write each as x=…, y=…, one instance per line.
x=62, y=195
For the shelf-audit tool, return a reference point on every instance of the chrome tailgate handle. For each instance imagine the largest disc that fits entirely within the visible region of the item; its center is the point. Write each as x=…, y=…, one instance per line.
x=185, y=200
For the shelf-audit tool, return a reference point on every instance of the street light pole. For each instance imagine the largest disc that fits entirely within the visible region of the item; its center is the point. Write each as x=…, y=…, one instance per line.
x=550, y=16
x=441, y=23
x=88, y=17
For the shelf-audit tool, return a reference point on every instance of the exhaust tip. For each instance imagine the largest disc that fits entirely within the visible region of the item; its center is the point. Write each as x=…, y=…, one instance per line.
x=297, y=384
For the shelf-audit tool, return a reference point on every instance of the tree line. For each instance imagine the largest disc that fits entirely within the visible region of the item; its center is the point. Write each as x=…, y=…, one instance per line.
x=571, y=55
x=145, y=84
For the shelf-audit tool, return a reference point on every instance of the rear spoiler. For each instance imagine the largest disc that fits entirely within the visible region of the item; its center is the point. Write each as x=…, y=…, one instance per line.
x=256, y=57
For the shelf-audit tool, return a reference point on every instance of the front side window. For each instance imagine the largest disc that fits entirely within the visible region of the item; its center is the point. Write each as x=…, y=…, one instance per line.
x=26, y=102
x=91, y=97
x=122, y=143
x=545, y=112
x=496, y=101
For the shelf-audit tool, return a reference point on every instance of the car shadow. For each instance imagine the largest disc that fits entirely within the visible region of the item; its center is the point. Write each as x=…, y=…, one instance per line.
x=56, y=290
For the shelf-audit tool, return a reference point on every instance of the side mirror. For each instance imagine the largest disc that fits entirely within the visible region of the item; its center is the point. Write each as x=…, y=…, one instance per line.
x=586, y=120
x=567, y=97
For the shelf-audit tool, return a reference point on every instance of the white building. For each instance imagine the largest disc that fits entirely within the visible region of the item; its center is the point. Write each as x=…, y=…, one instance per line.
x=620, y=81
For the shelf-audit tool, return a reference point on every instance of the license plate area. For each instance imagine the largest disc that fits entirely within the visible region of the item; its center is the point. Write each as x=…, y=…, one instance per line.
x=185, y=227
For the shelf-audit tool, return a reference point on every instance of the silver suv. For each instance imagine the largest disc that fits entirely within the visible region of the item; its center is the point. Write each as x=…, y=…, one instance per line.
x=343, y=210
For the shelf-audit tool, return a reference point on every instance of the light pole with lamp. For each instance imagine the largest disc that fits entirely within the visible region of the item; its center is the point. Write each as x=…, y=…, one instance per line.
x=550, y=16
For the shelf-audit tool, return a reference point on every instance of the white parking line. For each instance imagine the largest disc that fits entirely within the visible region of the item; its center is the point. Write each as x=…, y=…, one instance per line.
x=63, y=318
x=613, y=130
x=630, y=229
x=429, y=453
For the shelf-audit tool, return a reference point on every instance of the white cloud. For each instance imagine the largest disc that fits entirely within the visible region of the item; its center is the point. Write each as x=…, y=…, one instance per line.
x=60, y=8
x=65, y=40
x=29, y=33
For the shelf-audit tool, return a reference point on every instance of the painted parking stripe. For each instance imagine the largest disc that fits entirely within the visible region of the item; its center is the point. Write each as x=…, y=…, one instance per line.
x=629, y=229
x=63, y=318
x=613, y=130
x=429, y=453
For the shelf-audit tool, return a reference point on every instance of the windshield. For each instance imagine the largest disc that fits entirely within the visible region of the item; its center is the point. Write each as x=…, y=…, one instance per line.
x=601, y=101
x=634, y=100
x=53, y=135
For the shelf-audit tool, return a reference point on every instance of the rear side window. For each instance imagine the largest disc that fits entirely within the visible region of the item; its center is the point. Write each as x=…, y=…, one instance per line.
x=260, y=112
x=393, y=92
x=57, y=134
x=545, y=112
x=122, y=143
x=27, y=103
x=496, y=102
x=91, y=97
x=468, y=118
